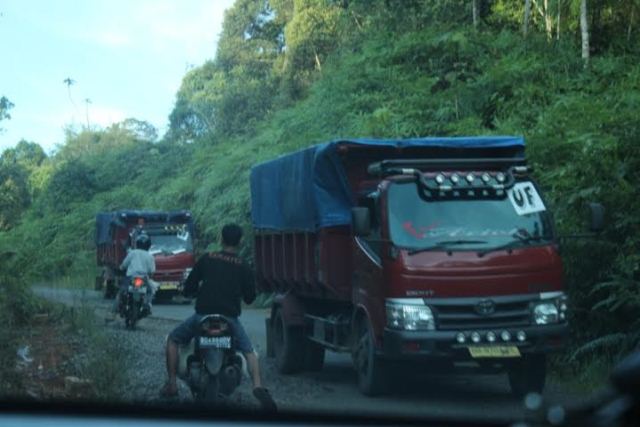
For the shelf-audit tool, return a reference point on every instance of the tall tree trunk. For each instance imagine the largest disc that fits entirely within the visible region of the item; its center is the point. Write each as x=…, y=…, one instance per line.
x=548, y=20
x=584, y=29
x=527, y=15
x=476, y=13
x=318, y=63
x=558, y=23
x=545, y=13
x=633, y=12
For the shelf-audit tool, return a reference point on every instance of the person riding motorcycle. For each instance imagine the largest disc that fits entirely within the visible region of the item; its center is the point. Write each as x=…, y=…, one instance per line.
x=138, y=262
x=219, y=281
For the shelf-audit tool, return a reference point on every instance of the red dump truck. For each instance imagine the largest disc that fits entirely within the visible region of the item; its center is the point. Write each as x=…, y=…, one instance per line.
x=172, y=241
x=438, y=252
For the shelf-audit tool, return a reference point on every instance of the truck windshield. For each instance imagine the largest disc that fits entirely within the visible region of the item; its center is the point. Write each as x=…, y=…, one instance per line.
x=460, y=224
x=170, y=244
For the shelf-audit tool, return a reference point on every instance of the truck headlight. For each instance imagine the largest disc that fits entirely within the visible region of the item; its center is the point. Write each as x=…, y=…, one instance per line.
x=186, y=273
x=552, y=310
x=546, y=313
x=410, y=317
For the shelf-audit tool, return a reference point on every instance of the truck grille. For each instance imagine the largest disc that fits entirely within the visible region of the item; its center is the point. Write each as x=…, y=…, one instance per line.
x=482, y=313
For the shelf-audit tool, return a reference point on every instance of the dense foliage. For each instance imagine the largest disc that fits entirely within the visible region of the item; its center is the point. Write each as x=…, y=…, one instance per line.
x=291, y=73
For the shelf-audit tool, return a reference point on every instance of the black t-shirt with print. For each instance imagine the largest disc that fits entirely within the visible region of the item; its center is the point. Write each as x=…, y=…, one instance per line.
x=219, y=281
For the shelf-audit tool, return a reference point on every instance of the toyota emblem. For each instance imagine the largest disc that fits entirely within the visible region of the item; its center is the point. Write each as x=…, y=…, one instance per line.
x=485, y=307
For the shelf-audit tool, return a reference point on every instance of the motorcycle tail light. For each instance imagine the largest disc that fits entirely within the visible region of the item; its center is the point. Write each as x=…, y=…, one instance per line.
x=214, y=328
x=138, y=281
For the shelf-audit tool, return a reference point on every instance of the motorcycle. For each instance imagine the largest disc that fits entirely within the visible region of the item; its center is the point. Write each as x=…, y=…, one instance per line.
x=210, y=364
x=134, y=304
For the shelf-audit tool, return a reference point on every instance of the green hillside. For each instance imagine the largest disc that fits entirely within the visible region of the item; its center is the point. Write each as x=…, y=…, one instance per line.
x=291, y=73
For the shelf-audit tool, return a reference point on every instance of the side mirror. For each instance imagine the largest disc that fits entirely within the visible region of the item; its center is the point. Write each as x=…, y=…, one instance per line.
x=361, y=221
x=596, y=213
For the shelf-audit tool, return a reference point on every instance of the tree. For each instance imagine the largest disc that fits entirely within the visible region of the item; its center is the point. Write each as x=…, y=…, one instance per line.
x=584, y=31
x=27, y=154
x=139, y=129
x=232, y=93
x=475, y=13
x=73, y=181
x=527, y=16
x=14, y=194
x=199, y=94
x=5, y=106
x=310, y=36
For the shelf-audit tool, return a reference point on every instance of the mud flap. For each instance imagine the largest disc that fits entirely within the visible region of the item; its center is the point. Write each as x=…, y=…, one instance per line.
x=213, y=360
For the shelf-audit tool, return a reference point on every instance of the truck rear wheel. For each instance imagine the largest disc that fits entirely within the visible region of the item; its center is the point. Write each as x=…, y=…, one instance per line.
x=371, y=370
x=288, y=345
x=528, y=375
x=109, y=289
x=313, y=356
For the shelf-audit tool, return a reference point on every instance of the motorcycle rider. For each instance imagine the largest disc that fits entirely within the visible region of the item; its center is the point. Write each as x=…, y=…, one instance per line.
x=138, y=262
x=219, y=281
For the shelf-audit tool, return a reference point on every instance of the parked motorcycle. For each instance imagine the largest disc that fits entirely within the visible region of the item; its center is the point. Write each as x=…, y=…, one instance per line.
x=134, y=304
x=210, y=364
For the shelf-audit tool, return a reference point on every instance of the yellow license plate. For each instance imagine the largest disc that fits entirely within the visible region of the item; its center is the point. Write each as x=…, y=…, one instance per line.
x=168, y=285
x=494, y=351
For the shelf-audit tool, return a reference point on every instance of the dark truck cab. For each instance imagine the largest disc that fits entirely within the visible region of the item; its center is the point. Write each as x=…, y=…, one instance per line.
x=172, y=245
x=435, y=251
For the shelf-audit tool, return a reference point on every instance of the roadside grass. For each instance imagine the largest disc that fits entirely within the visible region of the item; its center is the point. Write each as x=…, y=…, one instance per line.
x=83, y=279
x=81, y=346
x=17, y=305
x=104, y=360
x=584, y=376
x=104, y=364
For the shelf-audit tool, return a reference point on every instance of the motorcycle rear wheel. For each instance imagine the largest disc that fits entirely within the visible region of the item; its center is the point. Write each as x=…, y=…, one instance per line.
x=132, y=315
x=211, y=392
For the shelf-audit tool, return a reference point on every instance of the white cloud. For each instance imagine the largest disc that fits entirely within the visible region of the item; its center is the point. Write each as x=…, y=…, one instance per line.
x=111, y=38
x=190, y=26
x=193, y=26
x=105, y=116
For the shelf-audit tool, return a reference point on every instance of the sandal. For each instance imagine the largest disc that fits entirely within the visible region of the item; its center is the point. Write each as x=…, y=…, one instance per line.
x=265, y=399
x=169, y=391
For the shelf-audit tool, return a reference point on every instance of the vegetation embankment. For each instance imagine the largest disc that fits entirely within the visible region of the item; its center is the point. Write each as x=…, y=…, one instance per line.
x=55, y=351
x=288, y=74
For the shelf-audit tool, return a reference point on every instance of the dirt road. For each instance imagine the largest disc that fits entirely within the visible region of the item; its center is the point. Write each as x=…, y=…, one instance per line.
x=333, y=390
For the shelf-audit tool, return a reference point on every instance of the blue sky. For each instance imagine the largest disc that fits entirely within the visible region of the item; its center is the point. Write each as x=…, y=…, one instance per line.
x=127, y=57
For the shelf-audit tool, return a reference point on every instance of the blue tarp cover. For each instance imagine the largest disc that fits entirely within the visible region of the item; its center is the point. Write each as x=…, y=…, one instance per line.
x=105, y=220
x=308, y=189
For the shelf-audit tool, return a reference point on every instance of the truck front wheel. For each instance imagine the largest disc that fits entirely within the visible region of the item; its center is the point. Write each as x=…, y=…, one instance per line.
x=371, y=370
x=288, y=345
x=528, y=375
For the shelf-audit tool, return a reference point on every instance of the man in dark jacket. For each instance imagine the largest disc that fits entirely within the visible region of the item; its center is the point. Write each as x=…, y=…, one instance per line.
x=219, y=281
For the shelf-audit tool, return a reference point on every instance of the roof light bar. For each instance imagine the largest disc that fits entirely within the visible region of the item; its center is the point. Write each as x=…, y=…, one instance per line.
x=385, y=166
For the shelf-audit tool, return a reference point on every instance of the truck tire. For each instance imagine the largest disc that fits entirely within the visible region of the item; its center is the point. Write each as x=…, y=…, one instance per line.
x=288, y=345
x=528, y=375
x=105, y=285
x=109, y=289
x=372, y=370
x=313, y=356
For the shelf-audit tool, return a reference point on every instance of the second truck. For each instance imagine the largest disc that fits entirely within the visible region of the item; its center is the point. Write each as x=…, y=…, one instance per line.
x=172, y=245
